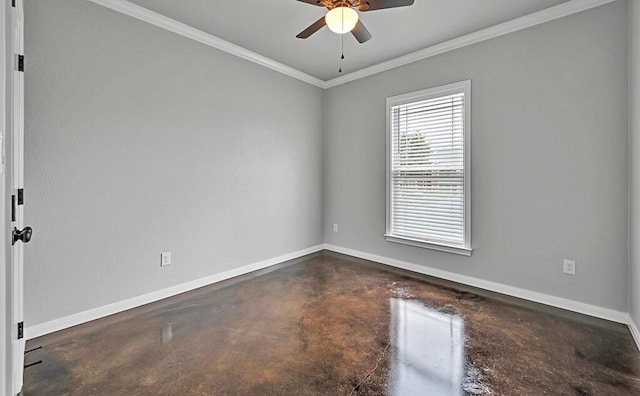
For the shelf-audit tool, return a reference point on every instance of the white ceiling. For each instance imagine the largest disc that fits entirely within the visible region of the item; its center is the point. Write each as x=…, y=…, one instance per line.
x=269, y=27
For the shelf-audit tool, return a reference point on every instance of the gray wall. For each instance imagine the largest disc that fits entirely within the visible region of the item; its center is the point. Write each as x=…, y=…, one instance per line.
x=549, y=157
x=5, y=279
x=634, y=133
x=139, y=141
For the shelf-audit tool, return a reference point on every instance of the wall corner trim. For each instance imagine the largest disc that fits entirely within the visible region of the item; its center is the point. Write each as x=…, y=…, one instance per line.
x=558, y=302
x=106, y=310
x=161, y=21
x=546, y=15
x=561, y=10
x=635, y=331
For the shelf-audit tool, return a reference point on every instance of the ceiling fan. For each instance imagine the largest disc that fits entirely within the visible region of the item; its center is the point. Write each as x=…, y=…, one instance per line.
x=343, y=17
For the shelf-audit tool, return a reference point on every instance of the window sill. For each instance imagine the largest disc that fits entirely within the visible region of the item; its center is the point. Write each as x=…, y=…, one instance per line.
x=433, y=246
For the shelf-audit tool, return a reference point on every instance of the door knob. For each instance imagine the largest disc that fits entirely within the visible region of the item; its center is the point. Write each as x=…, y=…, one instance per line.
x=24, y=235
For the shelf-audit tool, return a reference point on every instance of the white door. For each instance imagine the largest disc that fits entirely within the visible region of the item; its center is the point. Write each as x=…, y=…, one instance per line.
x=20, y=233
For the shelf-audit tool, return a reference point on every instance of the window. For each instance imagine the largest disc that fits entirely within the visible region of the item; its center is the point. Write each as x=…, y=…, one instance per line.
x=428, y=168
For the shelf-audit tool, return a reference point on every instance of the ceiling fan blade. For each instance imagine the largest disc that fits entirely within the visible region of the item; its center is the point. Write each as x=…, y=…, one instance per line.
x=319, y=3
x=370, y=5
x=361, y=33
x=317, y=25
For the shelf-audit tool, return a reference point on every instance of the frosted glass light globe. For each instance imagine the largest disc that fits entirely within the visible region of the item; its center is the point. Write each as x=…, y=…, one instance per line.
x=341, y=20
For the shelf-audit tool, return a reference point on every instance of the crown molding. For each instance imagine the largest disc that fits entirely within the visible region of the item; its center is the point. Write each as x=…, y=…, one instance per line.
x=549, y=14
x=161, y=21
x=536, y=18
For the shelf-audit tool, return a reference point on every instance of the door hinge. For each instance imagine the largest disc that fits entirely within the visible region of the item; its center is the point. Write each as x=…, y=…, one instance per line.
x=13, y=207
x=20, y=330
x=21, y=196
x=21, y=63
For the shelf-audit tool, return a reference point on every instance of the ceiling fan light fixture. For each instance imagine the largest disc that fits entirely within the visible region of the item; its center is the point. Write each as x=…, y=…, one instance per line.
x=341, y=20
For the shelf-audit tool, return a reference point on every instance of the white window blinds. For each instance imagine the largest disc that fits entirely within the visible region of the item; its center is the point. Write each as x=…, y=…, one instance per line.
x=428, y=176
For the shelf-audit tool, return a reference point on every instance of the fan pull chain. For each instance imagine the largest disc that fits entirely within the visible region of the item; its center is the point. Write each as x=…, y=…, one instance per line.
x=341, y=43
x=341, y=51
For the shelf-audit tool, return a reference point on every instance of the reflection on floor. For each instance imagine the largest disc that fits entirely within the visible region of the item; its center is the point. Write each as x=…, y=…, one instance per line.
x=333, y=325
x=429, y=350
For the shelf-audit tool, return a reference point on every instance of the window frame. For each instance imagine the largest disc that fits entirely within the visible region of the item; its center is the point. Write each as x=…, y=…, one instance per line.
x=417, y=96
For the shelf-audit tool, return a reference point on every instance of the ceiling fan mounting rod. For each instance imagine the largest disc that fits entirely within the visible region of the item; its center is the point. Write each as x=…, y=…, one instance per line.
x=344, y=3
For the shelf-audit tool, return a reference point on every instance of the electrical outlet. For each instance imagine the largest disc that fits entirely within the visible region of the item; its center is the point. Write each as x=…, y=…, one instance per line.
x=335, y=228
x=569, y=267
x=165, y=259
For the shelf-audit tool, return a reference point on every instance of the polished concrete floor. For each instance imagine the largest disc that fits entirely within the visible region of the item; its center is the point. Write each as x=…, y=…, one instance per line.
x=333, y=325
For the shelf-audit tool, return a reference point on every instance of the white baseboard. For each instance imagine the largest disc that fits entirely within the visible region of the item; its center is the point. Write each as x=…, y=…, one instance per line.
x=570, y=305
x=635, y=331
x=100, y=312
